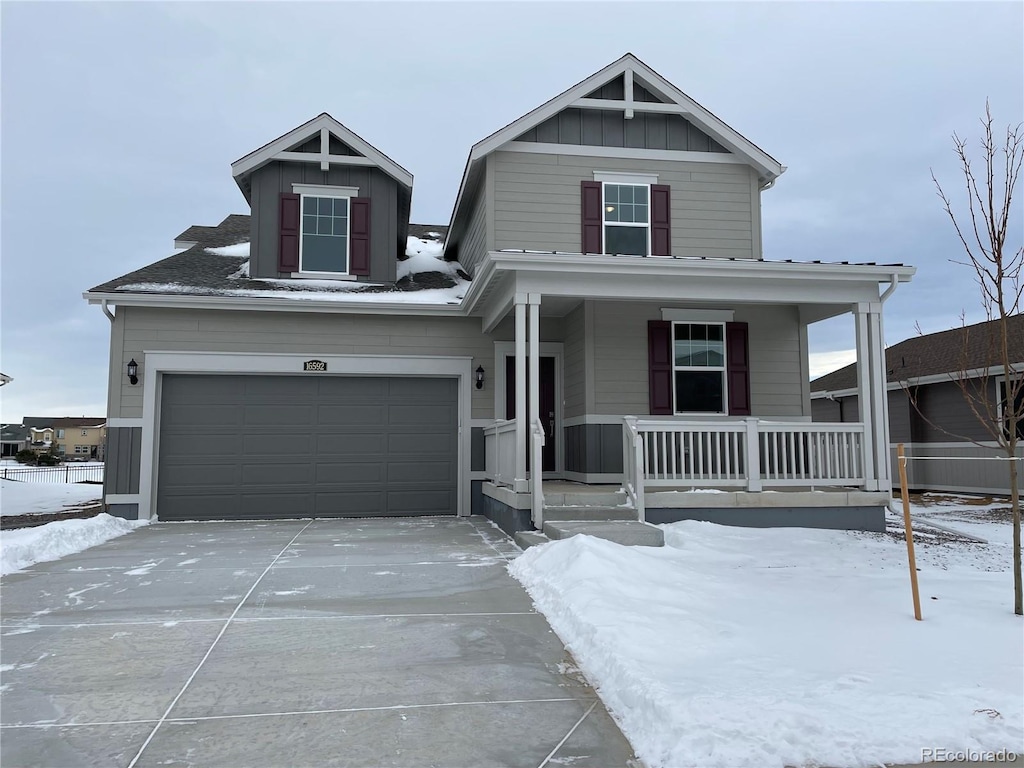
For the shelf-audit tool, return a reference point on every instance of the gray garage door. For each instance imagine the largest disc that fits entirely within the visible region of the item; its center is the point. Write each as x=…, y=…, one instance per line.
x=306, y=446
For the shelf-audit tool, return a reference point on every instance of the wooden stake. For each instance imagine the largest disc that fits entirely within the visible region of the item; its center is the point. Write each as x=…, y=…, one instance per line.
x=902, y=461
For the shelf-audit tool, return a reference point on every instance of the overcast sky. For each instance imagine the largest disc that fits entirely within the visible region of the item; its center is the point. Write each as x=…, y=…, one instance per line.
x=120, y=122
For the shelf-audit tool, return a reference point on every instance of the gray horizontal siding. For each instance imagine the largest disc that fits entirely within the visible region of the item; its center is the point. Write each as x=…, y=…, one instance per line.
x=474, y=243
x=959, y=471
x=293, y=333
x=947, y=414
x=620, y=358
x=537, y=202
x=574, y=362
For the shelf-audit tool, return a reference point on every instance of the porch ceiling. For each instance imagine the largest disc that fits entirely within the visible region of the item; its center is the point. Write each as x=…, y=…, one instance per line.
x=821, y=290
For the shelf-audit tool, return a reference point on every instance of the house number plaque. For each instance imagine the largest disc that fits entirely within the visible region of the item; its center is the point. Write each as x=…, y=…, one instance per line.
x=318, y=366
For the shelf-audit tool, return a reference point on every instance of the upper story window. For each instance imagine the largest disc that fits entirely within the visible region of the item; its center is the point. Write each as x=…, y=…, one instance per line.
x=699, y=367
x=60, y=434
x=324, y=245
x=85, y=433
x=627, y=219
x=626, y=214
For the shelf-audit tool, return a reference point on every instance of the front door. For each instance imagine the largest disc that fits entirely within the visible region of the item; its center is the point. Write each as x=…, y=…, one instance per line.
x=547, y=404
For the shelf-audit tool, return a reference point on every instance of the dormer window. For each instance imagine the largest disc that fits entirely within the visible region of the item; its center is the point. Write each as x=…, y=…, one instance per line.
x=325, y=234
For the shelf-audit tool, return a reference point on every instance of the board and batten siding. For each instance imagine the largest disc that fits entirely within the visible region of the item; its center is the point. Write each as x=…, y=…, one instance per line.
x=301, y=333
x=620, y=375
x=715, y=207
x=273, y=179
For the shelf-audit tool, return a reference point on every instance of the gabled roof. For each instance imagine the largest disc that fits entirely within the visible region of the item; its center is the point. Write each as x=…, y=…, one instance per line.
x=969, y=348
x=243, y=167
x=767, y=166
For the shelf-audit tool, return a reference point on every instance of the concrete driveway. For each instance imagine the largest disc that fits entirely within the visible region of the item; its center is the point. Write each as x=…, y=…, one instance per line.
x=398, y=642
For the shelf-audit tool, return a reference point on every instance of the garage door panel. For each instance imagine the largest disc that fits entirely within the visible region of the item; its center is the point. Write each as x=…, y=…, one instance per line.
x=405, y=443
x=353, y=473
x=420, y=471
x=202, y=474
x=409, y=415
x=275, y=444
x=295, y=446
x=277, y=474
x=358, y=414
x=280, y=415
x=355, y=503
x=420, y=502
x=205, y=416
x=351, y=444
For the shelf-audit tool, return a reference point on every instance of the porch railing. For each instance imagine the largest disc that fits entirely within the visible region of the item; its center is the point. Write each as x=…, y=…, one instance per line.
x=747, y=453
x=537, y=476
x=500, y=451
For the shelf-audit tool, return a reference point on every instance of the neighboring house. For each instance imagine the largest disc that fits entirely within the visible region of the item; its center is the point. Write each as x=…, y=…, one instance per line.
x=13, y=438
x=603, y=261
x=75, y=436
x=41, y=438
x=928, y=412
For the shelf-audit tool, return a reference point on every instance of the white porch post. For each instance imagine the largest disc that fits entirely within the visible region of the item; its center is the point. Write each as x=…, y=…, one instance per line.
x=520, y=483
x=536, y=456
x=864, y=394
x=879, y=397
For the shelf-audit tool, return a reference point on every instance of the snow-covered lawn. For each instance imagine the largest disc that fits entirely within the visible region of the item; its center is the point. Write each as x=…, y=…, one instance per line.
x=19, y=498
x=741, y=647
x=27, y=546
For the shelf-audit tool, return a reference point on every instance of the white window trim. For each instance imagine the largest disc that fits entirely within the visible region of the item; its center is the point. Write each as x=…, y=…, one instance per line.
x=337, y=193
x=614, y=177
x=723, y=369
x=698, y=315
x=634, y=224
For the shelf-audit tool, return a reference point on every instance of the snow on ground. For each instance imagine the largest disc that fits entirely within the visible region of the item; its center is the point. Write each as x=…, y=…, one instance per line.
x=789, y=647
x=20, y=498
x=979, y=516
x=27, y=546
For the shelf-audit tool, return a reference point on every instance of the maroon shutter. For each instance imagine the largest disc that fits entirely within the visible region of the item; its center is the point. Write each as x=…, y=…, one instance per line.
x=737, y=368
x=659, y=366
x=661, y=232
x=288, y=242
x=593, y=218
x=359, y=236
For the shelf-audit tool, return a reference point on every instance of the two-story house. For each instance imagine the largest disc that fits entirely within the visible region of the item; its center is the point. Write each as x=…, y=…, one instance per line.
x=598, y=310
x=81, y=437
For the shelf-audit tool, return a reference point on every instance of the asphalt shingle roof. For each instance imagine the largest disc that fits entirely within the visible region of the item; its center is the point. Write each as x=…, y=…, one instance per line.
x=966, y=348
x=208, y=273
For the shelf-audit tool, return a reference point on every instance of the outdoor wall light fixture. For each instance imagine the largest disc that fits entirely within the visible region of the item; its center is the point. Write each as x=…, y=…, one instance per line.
x=133, y=371
x=479, y=377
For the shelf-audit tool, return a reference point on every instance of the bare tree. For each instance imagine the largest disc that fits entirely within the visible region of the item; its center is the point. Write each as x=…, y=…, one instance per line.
x=984, y=230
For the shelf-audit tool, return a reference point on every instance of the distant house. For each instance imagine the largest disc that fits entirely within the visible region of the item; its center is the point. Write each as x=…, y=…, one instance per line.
x=922, y=369
x=13, y=438
x=78, y=436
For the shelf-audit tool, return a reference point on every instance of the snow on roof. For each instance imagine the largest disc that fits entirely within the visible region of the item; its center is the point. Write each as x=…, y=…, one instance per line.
x=357, y=293
x=425, y=256
x=239, y=249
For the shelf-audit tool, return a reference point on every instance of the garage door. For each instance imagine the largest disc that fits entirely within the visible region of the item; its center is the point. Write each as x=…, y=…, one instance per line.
x=306, y=446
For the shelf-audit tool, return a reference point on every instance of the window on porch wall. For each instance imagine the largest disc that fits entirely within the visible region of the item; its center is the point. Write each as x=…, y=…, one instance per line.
x=696, y=368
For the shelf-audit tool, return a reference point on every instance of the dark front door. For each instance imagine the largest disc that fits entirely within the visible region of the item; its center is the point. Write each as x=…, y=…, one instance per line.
x=547, y=403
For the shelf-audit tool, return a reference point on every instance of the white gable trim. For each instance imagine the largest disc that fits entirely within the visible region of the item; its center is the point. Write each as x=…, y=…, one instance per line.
x=680, y=103
x=323, y=125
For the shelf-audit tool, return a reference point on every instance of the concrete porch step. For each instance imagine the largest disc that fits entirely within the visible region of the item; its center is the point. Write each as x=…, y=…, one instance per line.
x=627, y=532
x=554, y=513
x=584, y=499
x=527, y=539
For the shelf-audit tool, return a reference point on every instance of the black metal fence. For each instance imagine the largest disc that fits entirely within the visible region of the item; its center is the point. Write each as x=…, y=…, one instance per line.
x=64, y=473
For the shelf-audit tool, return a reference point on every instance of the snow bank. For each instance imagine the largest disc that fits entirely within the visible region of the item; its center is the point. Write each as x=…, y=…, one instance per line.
x=27, y=546
x=241, y=249
x=735, y=647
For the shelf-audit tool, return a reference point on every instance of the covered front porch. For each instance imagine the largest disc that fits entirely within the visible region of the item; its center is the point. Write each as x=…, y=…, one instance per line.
x=679, y=390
